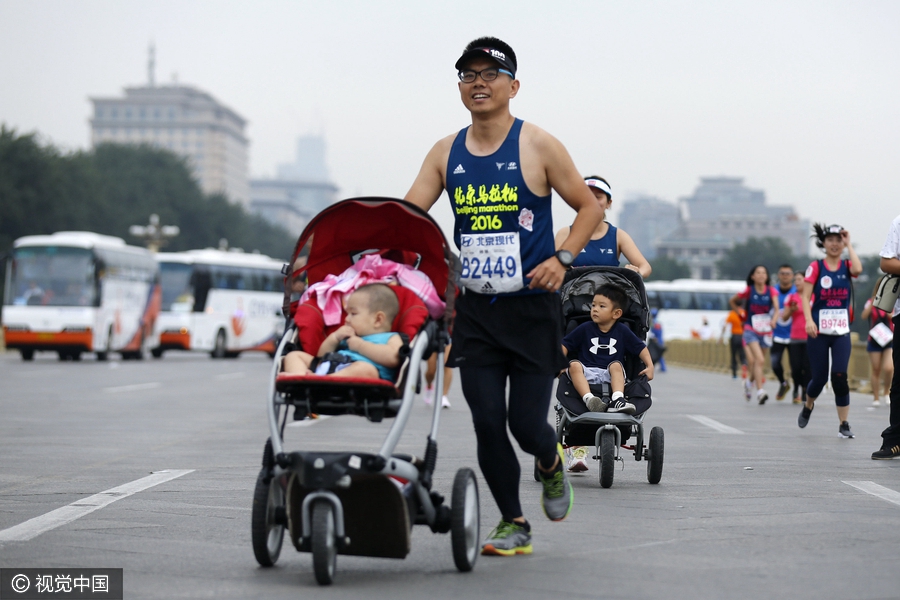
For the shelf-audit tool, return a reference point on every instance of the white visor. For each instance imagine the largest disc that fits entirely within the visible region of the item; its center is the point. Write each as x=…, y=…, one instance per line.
x=600, y=185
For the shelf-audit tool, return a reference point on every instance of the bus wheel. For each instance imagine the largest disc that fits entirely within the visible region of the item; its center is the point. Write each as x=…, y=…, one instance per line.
x=75, y=355
x=219, y=349
x=27, y=354
x=157, y=352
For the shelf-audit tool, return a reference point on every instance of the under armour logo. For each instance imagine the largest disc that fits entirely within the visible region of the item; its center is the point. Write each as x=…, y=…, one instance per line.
x=598, y=346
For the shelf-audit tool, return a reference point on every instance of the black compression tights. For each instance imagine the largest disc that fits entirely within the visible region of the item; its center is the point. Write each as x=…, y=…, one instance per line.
x=485, y=391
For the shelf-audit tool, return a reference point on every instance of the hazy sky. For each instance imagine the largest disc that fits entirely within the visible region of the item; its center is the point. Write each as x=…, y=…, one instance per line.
x=800, y=98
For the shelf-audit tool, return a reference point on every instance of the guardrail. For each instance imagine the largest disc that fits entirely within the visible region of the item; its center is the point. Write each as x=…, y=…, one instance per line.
x=712, y=355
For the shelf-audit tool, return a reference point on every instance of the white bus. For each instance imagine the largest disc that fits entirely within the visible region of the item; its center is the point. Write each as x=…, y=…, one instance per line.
x=682, y=304
x=221, y=302
x=74, y=291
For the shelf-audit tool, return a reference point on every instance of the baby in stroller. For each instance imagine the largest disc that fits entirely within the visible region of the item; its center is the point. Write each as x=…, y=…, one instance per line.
x=594, y=344
x=364, y=346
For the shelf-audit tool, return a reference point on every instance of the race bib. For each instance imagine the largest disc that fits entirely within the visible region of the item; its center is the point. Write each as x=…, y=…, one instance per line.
x=761, y=323
x=491, y=262
x=833, y=321
x=882, y=334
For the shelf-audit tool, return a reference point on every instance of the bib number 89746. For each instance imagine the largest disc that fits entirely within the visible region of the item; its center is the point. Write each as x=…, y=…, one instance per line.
x=476, y=268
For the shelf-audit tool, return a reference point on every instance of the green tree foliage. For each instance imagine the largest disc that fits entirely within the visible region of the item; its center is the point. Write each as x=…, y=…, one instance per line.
x=667, y=269
x=769, y=251
x=110, y=188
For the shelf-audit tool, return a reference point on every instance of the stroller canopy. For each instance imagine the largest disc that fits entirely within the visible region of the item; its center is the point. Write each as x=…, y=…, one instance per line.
x=580, y=284
x=400, y=231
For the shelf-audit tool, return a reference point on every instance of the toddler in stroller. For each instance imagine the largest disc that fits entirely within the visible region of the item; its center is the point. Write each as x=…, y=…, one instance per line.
x=607, y=407
x=351, y=502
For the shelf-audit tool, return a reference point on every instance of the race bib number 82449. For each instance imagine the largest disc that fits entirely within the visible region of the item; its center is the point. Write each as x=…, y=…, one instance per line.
x=491, y=263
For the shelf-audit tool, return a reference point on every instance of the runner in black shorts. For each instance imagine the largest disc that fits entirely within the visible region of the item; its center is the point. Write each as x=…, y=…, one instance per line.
x=499, y=173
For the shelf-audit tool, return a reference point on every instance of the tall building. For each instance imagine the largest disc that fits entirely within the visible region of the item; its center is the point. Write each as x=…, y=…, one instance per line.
x=185, y=120
x=723, y=212
x=300, y=191
x=648, y=220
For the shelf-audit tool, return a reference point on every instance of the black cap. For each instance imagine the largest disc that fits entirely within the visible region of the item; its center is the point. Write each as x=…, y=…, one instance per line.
x=497, y=56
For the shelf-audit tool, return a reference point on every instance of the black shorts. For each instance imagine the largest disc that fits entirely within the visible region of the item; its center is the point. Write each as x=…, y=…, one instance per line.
x=523, y=331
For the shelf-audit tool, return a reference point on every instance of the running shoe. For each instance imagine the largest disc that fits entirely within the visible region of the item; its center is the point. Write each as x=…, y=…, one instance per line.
x=748, y=390
x=762, y=396
x=796, y=399
x=558, y=495
x=507, y=539
x=596, y=404
x=578, y=461
x=876, y=403
x=886, y=453
x=803, y=419
x=621, y=406
x=445, y=403
x=783, y=389
x=428, y=396
x=844, y=430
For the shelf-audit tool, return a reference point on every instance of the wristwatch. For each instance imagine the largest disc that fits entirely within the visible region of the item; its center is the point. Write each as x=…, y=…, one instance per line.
x=565, y=258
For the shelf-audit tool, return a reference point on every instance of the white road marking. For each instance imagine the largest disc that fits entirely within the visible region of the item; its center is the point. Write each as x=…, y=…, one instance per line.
x=226, y=376
x=879, y=491
x=34, y=527
x=135, y=387
x=712, y=423
x=308, y=422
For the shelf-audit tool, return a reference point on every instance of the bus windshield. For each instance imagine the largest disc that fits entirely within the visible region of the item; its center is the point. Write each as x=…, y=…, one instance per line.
x=175, y=280
x=51, y=276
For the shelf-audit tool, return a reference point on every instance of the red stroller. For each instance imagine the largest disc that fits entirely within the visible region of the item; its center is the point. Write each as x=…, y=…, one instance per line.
x=359, y=503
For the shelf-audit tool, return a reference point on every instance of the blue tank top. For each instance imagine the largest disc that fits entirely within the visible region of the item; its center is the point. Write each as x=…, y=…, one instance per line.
x=503, y=230
x=603, y=252
x=375, y=338
x=782, y=331
x=832, y=289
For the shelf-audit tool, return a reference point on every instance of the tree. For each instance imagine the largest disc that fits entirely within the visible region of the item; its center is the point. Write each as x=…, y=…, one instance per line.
x=667, y=269
x=110, y=188
x=769, y=251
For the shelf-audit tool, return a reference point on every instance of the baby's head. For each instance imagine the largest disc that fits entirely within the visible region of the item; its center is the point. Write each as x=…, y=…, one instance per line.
x=608, y=305
x=372, y=309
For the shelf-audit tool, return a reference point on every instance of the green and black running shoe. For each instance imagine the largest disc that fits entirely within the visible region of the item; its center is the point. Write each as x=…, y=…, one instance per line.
x=507, y=539
x=558, y=495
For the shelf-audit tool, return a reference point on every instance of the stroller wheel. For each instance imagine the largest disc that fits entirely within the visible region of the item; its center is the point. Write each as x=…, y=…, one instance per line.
x=656, y=450
x=324, y=542
x=465, y=520
x=267, y=530
x=607, y=458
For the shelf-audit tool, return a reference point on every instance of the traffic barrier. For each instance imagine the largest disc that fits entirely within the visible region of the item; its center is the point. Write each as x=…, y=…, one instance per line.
x=714, y=356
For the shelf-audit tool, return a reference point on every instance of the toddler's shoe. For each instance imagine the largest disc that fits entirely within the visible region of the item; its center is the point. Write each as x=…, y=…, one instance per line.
x=596, y=404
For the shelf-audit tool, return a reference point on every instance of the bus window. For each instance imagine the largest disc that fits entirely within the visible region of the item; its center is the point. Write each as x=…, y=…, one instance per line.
x=711, y=300
x=201, y=282
x=676, y=300
x=51, y=276
x=175, y=280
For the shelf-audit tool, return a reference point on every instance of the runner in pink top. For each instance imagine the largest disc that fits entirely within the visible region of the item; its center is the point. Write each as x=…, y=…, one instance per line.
x=793, y=309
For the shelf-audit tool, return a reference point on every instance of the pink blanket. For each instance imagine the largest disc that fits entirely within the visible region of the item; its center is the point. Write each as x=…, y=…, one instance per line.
x=372, y=268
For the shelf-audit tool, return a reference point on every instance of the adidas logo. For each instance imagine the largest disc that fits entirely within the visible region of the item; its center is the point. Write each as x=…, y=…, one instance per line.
x=458, y=170
x=487, y=288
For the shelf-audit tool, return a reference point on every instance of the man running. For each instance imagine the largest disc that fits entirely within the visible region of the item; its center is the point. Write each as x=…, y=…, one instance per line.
x=498, y=174
x=781, y=334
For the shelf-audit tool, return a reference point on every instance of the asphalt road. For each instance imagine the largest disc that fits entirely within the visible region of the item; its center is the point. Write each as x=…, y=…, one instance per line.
x=749, y=505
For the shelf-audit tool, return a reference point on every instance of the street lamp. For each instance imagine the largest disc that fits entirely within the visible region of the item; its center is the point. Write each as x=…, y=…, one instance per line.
x=153, y=235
